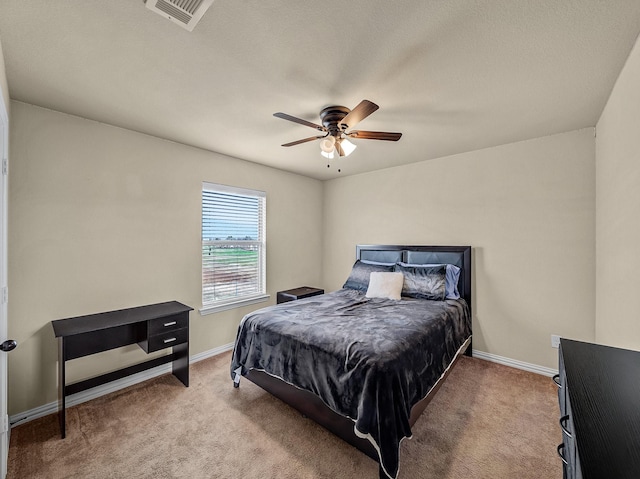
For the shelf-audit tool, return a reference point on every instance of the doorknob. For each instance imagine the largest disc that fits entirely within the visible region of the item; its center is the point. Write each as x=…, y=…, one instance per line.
x=9, y=345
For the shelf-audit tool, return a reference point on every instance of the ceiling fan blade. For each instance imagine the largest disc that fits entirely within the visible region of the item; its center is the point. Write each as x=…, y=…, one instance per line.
x=284, y=116
x=375, y=135
x=359, y=113
x=339, y=148
x=311, y=138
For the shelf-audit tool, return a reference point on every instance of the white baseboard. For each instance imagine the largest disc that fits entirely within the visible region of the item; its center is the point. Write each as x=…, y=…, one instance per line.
x=514, y=363
x=98, y=391
x=210, y=353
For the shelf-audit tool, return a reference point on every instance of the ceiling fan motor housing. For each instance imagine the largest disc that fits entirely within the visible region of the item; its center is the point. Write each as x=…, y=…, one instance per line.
x=331, y=117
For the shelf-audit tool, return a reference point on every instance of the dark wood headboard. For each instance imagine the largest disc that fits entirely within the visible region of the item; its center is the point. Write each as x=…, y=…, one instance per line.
x=457, y=255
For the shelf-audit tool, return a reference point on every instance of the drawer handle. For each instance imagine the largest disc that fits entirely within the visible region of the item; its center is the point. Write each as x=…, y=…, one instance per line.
x=561, y=453
x=170, y=324
x=563, y=421
x=170, y=340
x=556, y=379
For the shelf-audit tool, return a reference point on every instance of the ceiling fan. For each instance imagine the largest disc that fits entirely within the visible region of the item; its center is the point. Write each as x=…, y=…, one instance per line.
x=337, y=122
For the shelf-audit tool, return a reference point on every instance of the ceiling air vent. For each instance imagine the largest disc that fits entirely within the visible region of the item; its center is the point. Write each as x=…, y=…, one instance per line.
x=186, y=13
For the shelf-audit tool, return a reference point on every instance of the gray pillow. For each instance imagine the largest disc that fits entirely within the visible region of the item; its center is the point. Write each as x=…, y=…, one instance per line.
x=425, y=282
x=452, y=277
x=359, y=277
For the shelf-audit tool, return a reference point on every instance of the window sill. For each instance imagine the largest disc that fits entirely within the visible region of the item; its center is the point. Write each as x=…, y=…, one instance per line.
x=224, y=306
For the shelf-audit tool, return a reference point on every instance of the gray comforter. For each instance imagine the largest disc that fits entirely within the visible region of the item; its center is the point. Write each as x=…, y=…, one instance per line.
x=370, y=360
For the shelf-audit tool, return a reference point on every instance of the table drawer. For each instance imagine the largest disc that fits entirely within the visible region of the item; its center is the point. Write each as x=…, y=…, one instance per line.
x=170, y=323
x=167, y=339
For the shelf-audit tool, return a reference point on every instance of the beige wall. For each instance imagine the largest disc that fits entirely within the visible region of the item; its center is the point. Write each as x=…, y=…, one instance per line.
x=618, y=210
x=526, y=208
x=102, y=218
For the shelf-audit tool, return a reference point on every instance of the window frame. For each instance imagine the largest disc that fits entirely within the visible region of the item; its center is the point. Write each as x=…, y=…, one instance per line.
x=261, y=243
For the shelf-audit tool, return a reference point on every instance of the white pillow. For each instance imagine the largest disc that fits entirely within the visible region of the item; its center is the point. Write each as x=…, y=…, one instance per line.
x=385, y=285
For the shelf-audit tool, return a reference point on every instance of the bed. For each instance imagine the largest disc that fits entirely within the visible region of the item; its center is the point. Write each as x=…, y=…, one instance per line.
x=355, y=361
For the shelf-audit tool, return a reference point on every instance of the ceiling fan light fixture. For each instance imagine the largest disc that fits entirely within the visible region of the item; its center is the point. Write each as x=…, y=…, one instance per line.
x=327, y=144
x=328, y=154
x=347, y=146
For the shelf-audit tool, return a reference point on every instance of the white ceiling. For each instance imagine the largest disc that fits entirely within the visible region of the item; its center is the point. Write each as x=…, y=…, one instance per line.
x=451, y=75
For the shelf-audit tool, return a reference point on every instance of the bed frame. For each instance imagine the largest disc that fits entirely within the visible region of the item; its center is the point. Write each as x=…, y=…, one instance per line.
x=312, y=406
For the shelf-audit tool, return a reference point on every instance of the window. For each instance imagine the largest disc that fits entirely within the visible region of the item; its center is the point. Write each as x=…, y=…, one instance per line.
x=233, y=247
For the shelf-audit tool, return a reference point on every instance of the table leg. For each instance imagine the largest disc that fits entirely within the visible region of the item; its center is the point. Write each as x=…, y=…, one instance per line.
x=61, y=386
x=180, y=365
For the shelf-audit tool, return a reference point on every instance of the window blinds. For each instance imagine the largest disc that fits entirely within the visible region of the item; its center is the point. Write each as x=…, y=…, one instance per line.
x=233, y=243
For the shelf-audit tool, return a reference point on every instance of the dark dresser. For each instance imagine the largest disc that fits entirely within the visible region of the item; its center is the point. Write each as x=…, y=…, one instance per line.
x=599, y=396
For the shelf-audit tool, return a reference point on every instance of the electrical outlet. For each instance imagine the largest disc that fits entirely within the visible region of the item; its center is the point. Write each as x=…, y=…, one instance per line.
x=555, y=341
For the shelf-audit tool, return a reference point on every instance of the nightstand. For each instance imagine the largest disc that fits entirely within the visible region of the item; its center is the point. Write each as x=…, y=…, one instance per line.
x=297, y=293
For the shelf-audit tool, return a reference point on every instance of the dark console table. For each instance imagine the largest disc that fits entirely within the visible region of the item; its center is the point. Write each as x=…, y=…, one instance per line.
x=153, y=327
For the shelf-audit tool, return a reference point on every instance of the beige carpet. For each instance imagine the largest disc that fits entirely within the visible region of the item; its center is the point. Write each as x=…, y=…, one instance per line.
x=487, y=421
